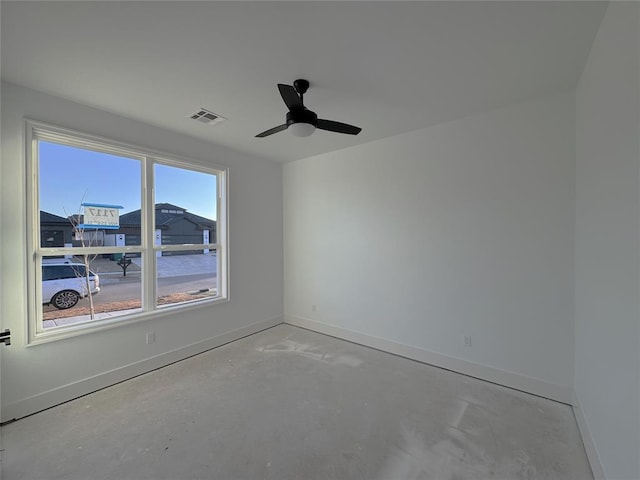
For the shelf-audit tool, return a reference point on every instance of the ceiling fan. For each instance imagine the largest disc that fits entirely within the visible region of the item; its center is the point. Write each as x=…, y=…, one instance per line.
x=302, y=122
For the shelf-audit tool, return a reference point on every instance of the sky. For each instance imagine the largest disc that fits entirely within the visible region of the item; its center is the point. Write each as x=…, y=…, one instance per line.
x=70, y=176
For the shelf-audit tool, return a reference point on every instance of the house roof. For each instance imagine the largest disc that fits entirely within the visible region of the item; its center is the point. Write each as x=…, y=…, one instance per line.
x=46, y=217
x=166, y=214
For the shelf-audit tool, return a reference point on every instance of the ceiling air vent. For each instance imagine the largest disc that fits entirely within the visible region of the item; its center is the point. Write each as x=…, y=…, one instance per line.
x=205, y=116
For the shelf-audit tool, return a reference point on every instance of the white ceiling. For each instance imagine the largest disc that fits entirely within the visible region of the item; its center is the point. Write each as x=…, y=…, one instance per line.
x=388, y=67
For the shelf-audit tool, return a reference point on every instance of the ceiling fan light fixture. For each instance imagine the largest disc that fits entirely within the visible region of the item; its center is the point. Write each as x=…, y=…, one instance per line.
x=301, y=122
x=301, y=129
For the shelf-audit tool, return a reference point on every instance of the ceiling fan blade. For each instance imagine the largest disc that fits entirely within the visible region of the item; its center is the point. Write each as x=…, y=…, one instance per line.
x=338, y=127
x=271, y=131
x=291, y=98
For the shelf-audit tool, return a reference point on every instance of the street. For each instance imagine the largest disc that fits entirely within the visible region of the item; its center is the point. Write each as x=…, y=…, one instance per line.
x=116, y=289
x=119, y=288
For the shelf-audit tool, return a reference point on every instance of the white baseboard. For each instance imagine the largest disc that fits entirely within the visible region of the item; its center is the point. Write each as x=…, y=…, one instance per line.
x=517, y=381
x=587, y=440
x=82, y=387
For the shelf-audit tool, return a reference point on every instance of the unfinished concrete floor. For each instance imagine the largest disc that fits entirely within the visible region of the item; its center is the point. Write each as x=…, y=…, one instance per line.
x=287, y=403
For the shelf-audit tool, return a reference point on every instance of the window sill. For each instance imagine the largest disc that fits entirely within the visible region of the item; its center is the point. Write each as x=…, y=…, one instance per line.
x=64, y=332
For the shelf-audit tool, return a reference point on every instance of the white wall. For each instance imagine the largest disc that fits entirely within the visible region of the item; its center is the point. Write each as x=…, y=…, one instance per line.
x=607, y=271
x=462, y=229
x=91, y=361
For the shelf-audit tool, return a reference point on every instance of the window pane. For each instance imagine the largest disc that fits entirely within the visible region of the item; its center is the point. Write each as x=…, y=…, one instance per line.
x=186, y=276
x=114, y=281
x=185, y=205
x=71, y=176
x=186, y=213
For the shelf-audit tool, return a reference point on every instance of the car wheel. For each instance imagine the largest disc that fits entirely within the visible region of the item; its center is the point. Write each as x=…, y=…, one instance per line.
x=65, y=299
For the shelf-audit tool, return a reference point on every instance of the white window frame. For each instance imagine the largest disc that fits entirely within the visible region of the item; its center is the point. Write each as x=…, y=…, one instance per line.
x=36, y=131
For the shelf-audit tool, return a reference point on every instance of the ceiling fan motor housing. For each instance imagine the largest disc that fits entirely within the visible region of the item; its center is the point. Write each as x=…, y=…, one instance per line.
x=302, y=115
x=301, y=86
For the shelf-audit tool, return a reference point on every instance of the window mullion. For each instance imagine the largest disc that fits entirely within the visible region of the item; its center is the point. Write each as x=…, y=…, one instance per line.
x=149, y=278
x=222, y=236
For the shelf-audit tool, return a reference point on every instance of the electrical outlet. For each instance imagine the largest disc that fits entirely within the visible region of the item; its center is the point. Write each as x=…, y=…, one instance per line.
x=313, y=308
x=467, y=340
x=151, y=338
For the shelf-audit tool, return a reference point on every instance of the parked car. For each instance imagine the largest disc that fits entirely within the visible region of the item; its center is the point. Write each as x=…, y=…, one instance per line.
x=64, y=283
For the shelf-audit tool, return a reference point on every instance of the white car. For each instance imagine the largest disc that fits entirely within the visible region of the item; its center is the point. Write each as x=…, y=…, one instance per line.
x=64, y=283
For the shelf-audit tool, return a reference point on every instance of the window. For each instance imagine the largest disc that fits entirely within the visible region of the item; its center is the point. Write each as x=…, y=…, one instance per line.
x=119, y=233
